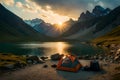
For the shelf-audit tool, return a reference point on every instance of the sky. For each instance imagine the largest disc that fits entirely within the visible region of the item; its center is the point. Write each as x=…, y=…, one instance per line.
x=55, y=11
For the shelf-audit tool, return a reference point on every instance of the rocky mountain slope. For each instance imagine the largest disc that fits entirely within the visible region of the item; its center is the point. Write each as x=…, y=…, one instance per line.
x=14, y=28
x=96, y=26
x=96, y=12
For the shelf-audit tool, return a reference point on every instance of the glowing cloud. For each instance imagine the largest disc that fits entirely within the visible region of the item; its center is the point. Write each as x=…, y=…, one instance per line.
x=7, y=2
x=19, y=4
x=55, y=11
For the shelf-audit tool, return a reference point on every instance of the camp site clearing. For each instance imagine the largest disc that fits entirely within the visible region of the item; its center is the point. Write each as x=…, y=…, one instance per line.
x=37, y=72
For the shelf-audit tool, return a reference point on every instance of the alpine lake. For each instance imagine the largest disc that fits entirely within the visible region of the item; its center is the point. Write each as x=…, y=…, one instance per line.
x=49, y=48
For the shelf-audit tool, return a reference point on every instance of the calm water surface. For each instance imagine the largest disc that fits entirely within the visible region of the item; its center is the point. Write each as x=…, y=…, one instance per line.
x=48, y=48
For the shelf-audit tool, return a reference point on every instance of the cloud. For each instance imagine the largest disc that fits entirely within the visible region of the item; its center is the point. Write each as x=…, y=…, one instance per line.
x=8, y=2
x=44, y=16
x=19, y=4
x=47, y=13
x=73, y=8
x=54, y=11
x=50, y=16
x=62, y=7
x=25, y=7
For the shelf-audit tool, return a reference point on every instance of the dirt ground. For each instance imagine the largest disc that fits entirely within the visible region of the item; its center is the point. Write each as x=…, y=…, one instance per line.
x=37, y=72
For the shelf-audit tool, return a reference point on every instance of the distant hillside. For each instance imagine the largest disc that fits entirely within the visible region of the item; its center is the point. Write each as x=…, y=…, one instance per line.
x=47, y=28
x=111, y=37
x=43, y=27
x=13, y=28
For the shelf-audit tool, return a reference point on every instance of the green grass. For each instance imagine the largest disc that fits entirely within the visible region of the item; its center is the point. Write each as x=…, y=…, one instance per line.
x=6, y=59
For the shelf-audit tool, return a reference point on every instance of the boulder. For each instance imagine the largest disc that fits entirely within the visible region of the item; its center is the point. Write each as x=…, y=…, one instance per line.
x=34, y=60
x=44, y=58
x=29, y=61
x=10, y=66
x=56, y=56
x=19, y=65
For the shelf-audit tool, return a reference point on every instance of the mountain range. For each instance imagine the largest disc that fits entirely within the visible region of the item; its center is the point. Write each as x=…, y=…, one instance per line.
x=96, y=12
x=47, y=28
x=90, y=26
x=13, y=27
x=102, y=22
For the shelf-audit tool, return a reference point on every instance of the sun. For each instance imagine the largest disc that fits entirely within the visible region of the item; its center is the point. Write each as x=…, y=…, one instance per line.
x=60, y=26
x=60, y=23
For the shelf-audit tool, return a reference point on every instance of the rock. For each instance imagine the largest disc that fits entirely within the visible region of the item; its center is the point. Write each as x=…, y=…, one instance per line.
x=44, y=58
x=112, y=51
x=113, y=45
x=9, y=66
x=95, y=57
x=118, y=52
x=45, y=66
x=54, y=65
x=111, y=61
x=118, y=46
x=29, y=61
x=34, y=60
x=56, y=56
x=117, y=58
x=100, y=58
x=108, y=46
x=19, y=65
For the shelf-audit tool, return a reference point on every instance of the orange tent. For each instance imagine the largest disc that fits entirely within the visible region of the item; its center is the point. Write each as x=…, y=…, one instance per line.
x=69, y=63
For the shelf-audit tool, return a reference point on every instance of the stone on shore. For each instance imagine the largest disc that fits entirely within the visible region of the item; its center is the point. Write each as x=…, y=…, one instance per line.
x=44, y=58
x=56, y=56
x=34, y=60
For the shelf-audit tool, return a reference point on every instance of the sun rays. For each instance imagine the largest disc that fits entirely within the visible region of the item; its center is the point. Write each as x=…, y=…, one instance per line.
x=60, y=26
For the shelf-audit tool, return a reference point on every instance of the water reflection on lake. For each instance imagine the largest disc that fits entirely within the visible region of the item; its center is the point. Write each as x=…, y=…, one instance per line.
x=48, y=48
